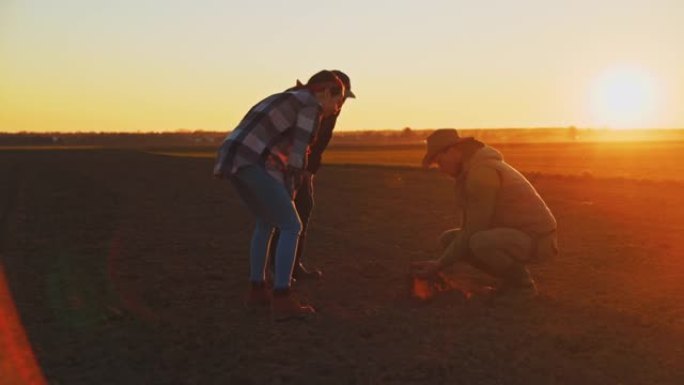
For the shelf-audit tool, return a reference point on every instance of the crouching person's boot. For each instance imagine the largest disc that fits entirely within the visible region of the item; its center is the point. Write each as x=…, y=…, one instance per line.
x=285, y=305
x=517, y=285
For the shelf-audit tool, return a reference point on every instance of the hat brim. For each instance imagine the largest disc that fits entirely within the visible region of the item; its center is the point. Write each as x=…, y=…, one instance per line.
x=429, y=158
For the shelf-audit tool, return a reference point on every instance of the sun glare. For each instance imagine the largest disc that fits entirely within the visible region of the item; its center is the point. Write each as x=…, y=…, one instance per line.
x=624, y=98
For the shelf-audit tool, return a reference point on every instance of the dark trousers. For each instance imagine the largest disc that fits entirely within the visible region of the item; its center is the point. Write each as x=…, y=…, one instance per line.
x=304, y=203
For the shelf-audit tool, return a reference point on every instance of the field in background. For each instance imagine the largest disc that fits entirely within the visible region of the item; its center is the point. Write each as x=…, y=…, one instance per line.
x=651, y=154
x=130, y=268
x=631, y=160
x=200, y=138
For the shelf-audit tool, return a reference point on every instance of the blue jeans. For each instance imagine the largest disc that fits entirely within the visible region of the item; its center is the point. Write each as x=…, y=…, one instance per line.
x=272, y=207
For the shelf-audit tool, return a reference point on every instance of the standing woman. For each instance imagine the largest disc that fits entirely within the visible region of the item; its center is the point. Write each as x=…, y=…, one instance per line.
x=304, y=201
x=265, y=158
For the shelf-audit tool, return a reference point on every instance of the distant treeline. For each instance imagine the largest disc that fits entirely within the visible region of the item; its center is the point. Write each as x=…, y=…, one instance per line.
x=341, y=138
x=105, y=139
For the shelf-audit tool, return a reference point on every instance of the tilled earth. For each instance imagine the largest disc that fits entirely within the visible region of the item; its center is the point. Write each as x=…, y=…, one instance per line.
x=130, y=268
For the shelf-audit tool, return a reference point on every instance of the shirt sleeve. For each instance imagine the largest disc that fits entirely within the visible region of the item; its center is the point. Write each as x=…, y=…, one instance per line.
x=308, y=119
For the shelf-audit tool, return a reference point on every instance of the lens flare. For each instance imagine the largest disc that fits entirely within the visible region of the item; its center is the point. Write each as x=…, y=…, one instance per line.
x=625, y=98
x=18, y=364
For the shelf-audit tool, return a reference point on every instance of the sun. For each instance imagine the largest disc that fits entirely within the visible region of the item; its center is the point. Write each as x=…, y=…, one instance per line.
x=624, y=98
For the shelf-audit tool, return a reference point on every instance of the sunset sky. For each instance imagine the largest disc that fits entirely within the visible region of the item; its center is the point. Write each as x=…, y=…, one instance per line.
x=129, y=65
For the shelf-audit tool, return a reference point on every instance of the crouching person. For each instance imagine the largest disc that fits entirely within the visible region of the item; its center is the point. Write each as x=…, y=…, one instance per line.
x=506, y=224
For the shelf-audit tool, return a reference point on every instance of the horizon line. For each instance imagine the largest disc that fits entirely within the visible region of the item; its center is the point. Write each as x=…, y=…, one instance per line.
x=202, y=131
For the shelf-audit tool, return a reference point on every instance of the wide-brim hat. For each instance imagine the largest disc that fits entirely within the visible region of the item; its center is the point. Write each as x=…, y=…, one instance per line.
x=439, y=141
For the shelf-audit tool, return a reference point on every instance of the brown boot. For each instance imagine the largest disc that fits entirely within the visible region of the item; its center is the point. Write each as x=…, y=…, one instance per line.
x=258, y=295
x=285, y=306
x=302, y=273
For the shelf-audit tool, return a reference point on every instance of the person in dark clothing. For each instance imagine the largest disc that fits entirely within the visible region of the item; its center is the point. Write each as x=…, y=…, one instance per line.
x=304, y=200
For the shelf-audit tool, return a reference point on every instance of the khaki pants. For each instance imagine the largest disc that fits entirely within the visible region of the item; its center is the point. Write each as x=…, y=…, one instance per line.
x=499, y=251
x=514, y=243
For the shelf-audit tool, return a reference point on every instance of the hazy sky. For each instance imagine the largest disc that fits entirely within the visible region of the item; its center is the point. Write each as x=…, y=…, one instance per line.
x=163, y=65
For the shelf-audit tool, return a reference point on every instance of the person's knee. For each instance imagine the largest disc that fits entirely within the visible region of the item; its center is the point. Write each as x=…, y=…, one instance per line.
x=304, y=213
x=292, y=226
x=264, y=226
x=485, y=255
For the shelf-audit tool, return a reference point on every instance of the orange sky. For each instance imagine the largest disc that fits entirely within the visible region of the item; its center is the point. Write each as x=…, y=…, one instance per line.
x=79, y=65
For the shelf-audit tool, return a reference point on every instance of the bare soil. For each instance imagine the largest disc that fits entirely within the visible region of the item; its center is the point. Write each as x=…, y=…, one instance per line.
x=128, y=267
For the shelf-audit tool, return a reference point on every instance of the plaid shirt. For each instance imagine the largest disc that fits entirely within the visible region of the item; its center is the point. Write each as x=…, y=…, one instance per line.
x=275, y=134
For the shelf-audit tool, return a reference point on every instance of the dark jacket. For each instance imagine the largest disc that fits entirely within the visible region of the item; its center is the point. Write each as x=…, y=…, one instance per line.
x=320, y=142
